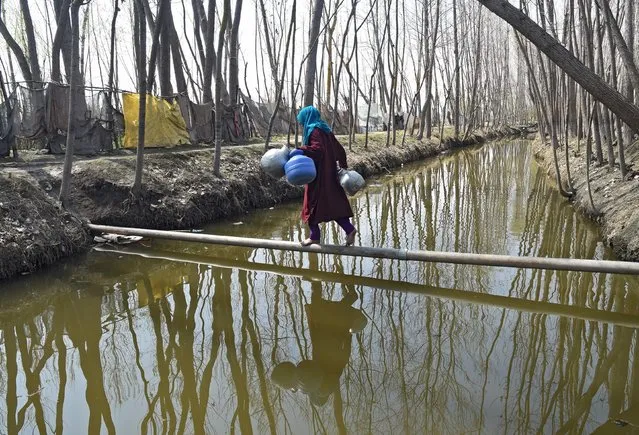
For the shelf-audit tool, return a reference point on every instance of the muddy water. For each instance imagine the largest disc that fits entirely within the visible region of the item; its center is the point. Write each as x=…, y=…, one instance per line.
x=182, y=338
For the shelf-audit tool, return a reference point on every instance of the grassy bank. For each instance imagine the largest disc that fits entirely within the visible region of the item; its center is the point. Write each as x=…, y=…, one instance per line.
x=180, y=192
x=616, y=201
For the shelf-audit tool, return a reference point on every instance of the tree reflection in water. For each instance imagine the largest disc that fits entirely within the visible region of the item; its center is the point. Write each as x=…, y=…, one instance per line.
x=129, y=344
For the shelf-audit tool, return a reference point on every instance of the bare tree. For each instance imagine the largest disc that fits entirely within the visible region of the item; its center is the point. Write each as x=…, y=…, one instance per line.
x=73, y=96
x=111, y=74
x=140, y=39
x=425, y=116
x=17, y=51
x=31, y=41
x=159, y=29
x=311, y=61
x=631, y=90
x=622, y=45
x=457, y=71
x=234, y=72
x=208, y=26
x=219, y=86
x=280, y=87
x=62, y=44
x=7, y=103
x=583, y=75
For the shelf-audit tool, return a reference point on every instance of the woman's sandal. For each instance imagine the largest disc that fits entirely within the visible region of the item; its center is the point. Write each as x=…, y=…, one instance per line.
x=309, y=242
x=350, y=238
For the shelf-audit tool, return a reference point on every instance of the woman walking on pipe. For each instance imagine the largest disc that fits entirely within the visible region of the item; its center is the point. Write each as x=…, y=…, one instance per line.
x=324, y=198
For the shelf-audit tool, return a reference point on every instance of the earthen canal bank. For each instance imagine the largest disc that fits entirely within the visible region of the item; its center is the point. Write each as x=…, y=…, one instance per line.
x=616, y=201
x=180, y=192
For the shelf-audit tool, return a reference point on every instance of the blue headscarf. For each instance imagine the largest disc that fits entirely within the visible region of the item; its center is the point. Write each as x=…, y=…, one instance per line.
x=310, y=119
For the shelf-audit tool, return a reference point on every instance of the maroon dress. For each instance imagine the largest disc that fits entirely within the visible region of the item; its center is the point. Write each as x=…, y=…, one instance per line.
x=324, y=198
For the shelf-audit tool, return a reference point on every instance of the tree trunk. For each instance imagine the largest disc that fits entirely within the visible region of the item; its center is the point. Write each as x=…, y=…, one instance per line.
x=567, y=146
x=476, y=74
x=613, y=80
x=164, y=56
x=630, y=89
x=62, y=17
x=234, y=80
x=209, y=40
x=622, y=45
x=311, y=61
x=395, y=75
x=616, y=120
x=457, y=71
x=159, y=28
x=219, y=85
x=269, y=47
x=280, y=88
x=17, y=52
x=600, y=116
x=141, y=60
x=110, y=89
x=427, y=118
x=83, y=39
x=339, y=69
x=197, y=33
x=176, y=55
x=355, y=129
x=329, y=67
x=66, y=45
x=292, y=114
x=31, y=41
x=588, y=154
x=594, y=84
x=75, y=58
x=7, y=102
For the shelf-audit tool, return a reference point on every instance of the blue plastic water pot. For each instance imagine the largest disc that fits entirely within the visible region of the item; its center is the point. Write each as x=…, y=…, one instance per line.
x=300, y=170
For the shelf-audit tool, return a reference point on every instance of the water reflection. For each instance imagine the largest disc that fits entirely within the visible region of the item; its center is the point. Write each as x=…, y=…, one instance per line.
x=330, y=325
x=220, y=339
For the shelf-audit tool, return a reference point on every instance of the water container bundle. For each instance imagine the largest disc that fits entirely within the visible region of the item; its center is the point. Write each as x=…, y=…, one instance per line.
x=299, y=169
x=351, y=181
x=273, y=161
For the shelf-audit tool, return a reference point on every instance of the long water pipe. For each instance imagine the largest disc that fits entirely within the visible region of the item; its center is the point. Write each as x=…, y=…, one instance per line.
x=604, y=266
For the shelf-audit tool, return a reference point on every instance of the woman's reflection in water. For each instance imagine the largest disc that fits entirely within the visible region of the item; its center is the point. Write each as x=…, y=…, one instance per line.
x=331, y=325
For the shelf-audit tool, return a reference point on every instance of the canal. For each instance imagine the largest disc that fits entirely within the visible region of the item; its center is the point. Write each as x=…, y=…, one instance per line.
x=169, y=337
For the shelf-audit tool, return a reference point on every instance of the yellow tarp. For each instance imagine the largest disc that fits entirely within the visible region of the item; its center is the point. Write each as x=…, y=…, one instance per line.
x=162, y=282
x=164, y=126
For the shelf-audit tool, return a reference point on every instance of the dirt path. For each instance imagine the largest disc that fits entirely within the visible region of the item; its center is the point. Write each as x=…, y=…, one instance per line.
x=33, y=159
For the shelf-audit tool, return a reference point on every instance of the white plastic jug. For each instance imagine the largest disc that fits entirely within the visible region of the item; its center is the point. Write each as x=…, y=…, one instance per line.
x=351, y=181
x=273, y=161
